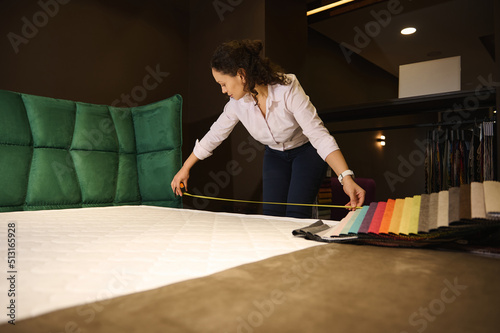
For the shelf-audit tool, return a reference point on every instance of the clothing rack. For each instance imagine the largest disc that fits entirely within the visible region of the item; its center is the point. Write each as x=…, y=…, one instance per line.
x=457, y=156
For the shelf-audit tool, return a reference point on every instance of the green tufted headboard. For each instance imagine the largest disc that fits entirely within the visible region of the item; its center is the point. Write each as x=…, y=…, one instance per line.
x=58, y=154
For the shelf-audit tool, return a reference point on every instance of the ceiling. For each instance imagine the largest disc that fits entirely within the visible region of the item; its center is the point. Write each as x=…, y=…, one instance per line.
x=445, y=28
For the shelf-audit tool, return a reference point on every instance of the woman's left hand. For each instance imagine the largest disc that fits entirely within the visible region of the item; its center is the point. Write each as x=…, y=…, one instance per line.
x=355, y=193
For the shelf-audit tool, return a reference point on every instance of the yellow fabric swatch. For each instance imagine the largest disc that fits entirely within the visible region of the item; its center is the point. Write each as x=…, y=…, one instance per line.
x=415, y=215
x=396, y=216
x=404, y=226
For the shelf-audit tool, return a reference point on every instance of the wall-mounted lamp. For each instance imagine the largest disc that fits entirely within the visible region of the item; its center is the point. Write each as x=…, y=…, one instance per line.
x=381, y=140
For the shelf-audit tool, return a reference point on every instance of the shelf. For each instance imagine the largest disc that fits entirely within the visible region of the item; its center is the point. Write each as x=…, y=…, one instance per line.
x=454, y=101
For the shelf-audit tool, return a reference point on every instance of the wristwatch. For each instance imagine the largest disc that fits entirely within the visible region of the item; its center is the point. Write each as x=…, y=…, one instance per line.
x=345, y=173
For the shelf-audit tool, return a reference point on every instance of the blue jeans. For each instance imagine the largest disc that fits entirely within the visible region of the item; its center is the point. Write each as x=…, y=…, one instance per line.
x=292, y=176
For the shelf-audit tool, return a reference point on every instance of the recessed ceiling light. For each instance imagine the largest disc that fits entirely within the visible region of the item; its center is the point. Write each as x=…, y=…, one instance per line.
x=408, y=31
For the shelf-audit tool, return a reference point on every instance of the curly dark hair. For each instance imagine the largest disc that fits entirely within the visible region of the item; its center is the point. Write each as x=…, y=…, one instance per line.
x=234, y=55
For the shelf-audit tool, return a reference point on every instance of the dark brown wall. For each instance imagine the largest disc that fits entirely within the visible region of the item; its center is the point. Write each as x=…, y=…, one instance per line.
x=105, y=52
x=95, y=51
x=397, y=168
x=286, y=34
x=319, y=64
x=497, y=78
x=332, y=81
x=285, y=40
x=213, y=22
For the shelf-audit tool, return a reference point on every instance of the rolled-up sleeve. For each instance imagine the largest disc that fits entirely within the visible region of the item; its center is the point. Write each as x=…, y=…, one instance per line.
x=307, y=117
x=218, y=132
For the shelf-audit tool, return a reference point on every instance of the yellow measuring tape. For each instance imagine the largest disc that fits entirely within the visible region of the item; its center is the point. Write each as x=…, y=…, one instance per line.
x=262, y=202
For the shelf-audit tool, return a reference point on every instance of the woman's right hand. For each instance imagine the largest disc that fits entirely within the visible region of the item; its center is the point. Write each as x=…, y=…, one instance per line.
x=181, y=177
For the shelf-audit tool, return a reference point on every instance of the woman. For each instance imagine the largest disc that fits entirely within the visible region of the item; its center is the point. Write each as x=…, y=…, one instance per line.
x=276, y=112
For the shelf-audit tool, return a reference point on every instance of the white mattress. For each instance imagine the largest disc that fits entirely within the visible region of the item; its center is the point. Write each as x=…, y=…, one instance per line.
x=76, y=256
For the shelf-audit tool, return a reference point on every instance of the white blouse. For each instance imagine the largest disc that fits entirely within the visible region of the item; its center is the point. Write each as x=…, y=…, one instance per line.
x=291, y=121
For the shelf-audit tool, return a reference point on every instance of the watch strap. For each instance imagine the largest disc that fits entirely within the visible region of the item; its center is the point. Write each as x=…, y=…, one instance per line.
x=345, y=174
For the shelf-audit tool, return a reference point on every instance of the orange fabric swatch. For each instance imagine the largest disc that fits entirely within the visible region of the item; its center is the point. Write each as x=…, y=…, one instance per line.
x=386, y=219
x=396, y=216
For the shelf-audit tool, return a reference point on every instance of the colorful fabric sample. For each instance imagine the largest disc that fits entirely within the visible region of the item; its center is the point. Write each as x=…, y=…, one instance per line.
x=419, y=220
